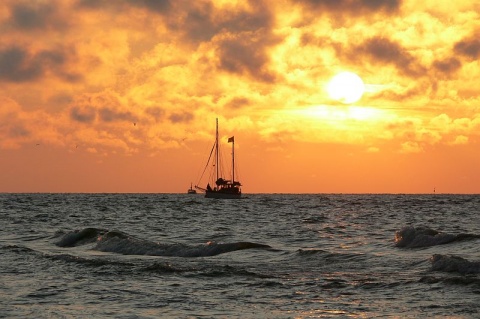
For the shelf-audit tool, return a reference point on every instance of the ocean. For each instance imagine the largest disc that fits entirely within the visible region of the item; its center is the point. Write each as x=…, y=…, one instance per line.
x=263, y=256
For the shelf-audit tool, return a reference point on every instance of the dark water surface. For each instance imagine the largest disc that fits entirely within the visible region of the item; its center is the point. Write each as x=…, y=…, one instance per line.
x=264, y=256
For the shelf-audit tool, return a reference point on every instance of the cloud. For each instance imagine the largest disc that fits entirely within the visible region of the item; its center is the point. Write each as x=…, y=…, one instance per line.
x=170, y=66
x=237, y=103
x=197, y=23
x=245, y=54
x=156, y=112
x=83, y=114
x=181, y=117
x=106, y=106
x=385, y=51
x=20, y=127
x=447, y=66
x=25, y=17
x=18, y=65
x=355, y=7
x=240, y=35
x=159, y=6
x=107, y=114
x=411, y=147
x=31, y=16
x=415, y=134
x=155, y=6
x=13, y=123
x=460, y=140
x=468, y=47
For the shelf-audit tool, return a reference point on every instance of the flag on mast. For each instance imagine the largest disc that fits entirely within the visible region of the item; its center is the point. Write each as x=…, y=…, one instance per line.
x=231, y=139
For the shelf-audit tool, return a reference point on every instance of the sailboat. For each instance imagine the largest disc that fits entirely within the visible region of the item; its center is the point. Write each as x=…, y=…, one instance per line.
x=191, y=190
x=222, y=188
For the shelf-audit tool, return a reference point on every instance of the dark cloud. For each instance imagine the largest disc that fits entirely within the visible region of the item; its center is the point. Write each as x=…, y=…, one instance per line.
x=242, y=37
x=156, y=6
x=92, y=4
x=469, y=48
x=70, y=77
x=83, y=114
x=104, y=106
x=354, y=7
x=237, y=103
x=447, y=66
x=200, y=22
x=247, y=54
x=62, y=98
x=18, y=65
x=110, y=115
x=19, y=131
x=25, y=17
x=181, y=117
x=159, y=6
x=155, y=112
x=380, y=5
x=260, y=17
x=35, y=16
x=385, y=51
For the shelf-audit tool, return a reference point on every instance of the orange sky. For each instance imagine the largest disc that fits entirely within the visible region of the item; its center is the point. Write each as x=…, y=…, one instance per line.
x=75, y=75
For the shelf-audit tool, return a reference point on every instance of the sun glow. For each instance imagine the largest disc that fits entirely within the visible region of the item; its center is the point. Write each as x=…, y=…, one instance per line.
x=331, y=113
x=346, y=87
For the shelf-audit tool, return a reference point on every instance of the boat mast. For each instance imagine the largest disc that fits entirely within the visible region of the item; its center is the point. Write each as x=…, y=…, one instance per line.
x=233, y=161
x=216, y=150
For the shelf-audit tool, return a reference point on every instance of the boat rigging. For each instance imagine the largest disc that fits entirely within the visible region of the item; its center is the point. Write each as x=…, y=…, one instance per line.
x=222, y=187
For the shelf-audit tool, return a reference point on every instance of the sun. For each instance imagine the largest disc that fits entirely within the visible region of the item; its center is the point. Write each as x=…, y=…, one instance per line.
x=346, y=87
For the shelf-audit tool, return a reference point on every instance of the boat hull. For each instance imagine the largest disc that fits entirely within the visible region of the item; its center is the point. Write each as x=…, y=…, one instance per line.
x=213, y=194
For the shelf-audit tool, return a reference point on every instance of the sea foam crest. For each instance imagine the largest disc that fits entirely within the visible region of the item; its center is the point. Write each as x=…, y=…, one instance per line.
x=454, y=264
x=414, y=237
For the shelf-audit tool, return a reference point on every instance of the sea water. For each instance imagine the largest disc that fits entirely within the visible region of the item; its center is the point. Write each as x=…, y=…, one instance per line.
x=263, y=256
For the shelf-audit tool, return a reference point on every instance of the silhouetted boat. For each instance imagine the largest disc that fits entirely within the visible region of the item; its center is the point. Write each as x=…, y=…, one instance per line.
x=222, y=188
x=191, y=190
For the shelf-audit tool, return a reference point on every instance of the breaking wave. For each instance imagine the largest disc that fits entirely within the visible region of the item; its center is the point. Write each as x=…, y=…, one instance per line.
x=454, y=264
x=122, y=243
x=80, y=237
x=415, y=237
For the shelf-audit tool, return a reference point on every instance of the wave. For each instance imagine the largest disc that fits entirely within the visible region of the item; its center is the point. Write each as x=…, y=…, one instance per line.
x=108, y=266
x=80, y=237
x=454, y=264
x=16, y=249
x=415, y=237
x=328, y=257
x=461, y=280
x=122, y=243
